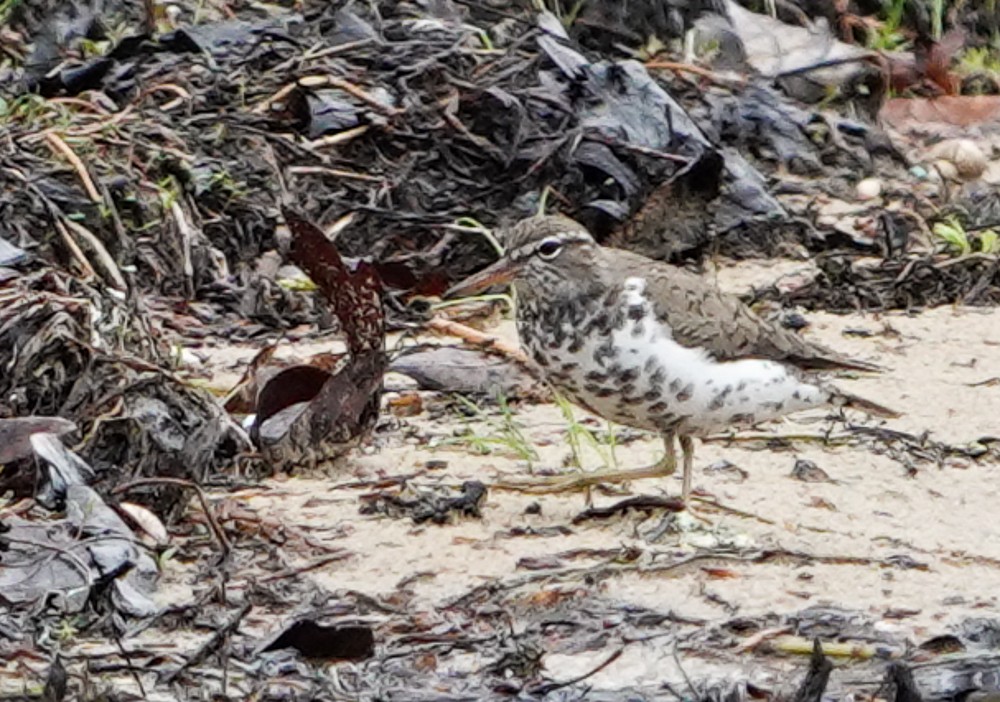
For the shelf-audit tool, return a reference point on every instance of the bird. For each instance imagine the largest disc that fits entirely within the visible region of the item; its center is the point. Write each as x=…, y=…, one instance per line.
x=653, y=346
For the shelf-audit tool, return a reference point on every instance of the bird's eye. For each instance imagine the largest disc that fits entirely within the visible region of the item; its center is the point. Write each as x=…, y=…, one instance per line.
x=549, y=248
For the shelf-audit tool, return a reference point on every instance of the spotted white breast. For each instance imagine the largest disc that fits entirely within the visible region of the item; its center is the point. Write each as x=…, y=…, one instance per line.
x=634, y=372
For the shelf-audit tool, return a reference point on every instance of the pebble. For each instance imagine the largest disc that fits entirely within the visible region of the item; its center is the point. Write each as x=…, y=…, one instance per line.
x=968, y=159
x=869, y=189
x=809, y=472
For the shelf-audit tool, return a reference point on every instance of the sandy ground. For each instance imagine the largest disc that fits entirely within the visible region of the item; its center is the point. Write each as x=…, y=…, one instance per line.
x=856, y=529
x=906, y=549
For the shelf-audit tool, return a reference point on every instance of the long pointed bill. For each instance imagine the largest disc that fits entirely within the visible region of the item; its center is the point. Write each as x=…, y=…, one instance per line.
x=503, y=271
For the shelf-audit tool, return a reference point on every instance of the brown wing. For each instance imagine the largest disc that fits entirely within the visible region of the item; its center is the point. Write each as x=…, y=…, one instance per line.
x=699, y=314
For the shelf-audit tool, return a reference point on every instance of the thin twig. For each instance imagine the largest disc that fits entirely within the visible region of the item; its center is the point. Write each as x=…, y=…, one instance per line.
x=177, y=90
x=78, y=102
x=104, y=124
x=636, y=148
x=313, y=565
x=550, y=687
x=216, y=530
x=57, y=144
x=696, y=70
x=351, y=89
x=128, y=663
x=105, y=259
x=338, y=138
x=213, y=643
x=829, y=439
x=74, y=248
x=336, y=172
x=477, y=338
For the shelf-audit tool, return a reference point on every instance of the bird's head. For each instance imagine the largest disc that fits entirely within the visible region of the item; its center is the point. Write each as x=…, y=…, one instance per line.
x=544, y=256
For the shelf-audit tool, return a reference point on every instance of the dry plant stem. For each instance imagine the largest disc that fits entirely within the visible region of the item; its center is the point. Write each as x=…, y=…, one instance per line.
x=77, y=102
x=100, y=420
x=948, y=263
x=801, y=646
x=333, y=50
x=736, y=512
x=61, y=147
x=104, y=124
x=477, y=338
x=360, y=94
x=830, y=439
x=333, y=82
x=187, y=235
x=335, y=172
x=214, y=642
x=177, y=90
x=284, y=92
x=22, y=506
x=74, y=248
x=338, y=138
x=107, y=262
x=597, y=571
x=752, y=642
x=615, y=655
x=348, y=87
x=696, y=70
x=644, y=150
x=213, y=524
x=57, y=218
x=312, y=565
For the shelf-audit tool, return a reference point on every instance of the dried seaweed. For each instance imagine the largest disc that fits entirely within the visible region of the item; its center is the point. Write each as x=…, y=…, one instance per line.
x=72, y=351
x=199, y=133
x=143, y=159
x=908, y=283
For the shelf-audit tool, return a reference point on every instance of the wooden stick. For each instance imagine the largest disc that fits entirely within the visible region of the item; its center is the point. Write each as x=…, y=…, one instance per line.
x=477, y=338
x=338, y=138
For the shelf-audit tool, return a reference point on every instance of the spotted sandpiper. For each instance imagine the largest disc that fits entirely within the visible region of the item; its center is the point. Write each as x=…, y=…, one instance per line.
x=653, y=346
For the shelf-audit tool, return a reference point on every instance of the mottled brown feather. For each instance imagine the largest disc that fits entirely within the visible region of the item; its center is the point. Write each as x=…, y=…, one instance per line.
x=699, y=314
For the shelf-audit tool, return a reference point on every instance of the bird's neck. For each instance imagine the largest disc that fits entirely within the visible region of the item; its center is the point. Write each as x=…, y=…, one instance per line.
x=553, y=303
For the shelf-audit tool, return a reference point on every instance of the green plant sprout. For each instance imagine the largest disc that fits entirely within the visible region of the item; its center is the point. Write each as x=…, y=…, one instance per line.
x=888, y=36
x=505, y=435
x=981, y=59
x=469, y=224
x=954, y=235
x=577, y=434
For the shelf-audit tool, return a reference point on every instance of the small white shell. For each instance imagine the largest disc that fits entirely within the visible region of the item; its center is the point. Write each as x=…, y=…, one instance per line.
x=868, y=189
x=969, y=160
x=146, y=521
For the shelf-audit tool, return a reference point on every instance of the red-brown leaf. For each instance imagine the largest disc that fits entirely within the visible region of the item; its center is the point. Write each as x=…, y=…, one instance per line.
x=356, y=295
x=323, y=412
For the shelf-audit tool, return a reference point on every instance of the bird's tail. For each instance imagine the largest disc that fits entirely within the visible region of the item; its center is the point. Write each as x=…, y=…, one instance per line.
x=846, y=399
